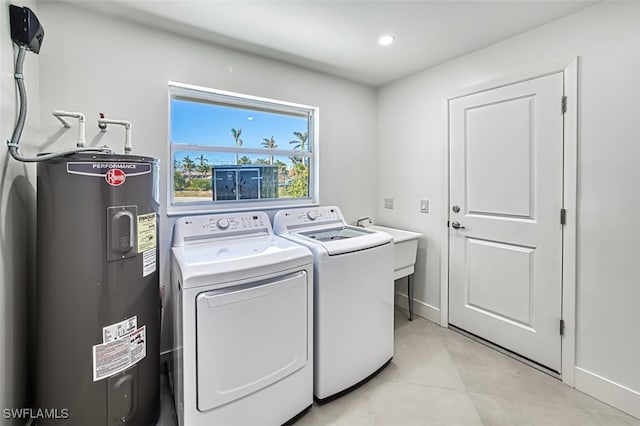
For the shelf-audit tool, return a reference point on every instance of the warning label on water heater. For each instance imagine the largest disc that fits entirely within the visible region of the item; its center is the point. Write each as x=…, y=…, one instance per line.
x=118, y=330
x=148, y=262
x=119, y=352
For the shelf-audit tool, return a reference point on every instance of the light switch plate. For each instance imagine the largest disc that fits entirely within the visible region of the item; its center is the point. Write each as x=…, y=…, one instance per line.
x=388, y=203
x=424, y=206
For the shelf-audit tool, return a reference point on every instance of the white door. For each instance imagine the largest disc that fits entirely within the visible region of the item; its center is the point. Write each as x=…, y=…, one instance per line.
x=505, y=260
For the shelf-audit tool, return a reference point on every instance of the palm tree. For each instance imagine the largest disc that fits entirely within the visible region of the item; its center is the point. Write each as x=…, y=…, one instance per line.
x=179, y=182
x=203, y=165
x=188, y=166
x=236, y=136
x=271, y=144
x=283, y=173
x=300, y=144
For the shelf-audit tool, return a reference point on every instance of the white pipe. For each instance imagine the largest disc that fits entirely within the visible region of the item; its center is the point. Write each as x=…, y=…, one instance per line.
x=64, y=122
x=81, y=123
x=127, y=131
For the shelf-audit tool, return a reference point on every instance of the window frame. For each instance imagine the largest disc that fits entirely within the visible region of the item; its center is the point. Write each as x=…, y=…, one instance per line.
x=195, y=93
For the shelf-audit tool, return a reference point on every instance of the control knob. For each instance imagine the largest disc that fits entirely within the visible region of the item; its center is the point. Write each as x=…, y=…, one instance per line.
x=311, y=215
x=222, y=224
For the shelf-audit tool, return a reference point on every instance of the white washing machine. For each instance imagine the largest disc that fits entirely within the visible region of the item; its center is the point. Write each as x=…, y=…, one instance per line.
x=353, y=293
x=244, y=318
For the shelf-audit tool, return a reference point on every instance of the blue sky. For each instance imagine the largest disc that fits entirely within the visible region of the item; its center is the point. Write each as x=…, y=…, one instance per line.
x=208, y=124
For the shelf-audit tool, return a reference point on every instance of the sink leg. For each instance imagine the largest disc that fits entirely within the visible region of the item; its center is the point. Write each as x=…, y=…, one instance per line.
x=410, y=295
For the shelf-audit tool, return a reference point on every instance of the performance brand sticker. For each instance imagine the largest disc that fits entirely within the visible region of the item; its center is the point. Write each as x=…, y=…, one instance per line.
x=102, y=169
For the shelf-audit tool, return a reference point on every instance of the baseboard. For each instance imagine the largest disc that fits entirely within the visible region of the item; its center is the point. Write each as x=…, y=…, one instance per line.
x=420, y=308
x=614, y=394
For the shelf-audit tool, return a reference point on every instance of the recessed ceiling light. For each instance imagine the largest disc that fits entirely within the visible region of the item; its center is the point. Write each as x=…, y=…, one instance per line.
x=250, y=118
x=386, y=40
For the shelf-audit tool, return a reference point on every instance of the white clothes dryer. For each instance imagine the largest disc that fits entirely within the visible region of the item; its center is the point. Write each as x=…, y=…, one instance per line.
x=353, y=293
x=243, y=322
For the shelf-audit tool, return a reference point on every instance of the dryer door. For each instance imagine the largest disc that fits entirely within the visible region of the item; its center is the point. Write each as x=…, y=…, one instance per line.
x=250, y=336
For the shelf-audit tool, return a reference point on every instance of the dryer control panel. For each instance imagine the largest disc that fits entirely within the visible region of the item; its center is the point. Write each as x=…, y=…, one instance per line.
x=197, y=229
x=288, y=220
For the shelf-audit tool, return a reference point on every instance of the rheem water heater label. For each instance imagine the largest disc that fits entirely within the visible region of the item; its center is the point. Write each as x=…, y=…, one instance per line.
x=146, y=232
x=147, y=242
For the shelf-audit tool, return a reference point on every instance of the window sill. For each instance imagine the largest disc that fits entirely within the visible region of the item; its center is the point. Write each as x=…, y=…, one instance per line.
x=190, y=210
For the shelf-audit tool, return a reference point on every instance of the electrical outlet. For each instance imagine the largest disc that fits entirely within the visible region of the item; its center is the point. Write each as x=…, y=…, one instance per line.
x=388, y=203
x=424, y=206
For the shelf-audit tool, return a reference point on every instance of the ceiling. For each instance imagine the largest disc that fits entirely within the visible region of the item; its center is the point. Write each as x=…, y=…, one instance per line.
x=340, y=37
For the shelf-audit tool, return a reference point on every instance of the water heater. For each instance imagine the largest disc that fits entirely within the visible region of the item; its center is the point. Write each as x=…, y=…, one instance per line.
x=97, y=294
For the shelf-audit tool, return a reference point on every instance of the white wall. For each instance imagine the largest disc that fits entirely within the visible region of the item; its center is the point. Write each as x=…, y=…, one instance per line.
x=412, y=134
x=95, y=63
x=17, y=226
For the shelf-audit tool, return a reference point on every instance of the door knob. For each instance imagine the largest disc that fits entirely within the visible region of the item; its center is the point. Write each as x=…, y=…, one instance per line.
x=456, y=225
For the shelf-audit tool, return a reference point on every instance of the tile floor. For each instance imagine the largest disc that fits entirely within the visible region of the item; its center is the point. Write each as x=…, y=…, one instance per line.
x=439, y=377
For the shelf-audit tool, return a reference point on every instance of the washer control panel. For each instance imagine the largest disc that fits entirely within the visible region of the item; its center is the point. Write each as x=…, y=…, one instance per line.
x=207, y=227
x=315, y=215
x=222, y=224
x=286, y=220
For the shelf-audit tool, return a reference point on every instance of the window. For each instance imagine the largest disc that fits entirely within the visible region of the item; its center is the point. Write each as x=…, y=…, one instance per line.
x=237, y=151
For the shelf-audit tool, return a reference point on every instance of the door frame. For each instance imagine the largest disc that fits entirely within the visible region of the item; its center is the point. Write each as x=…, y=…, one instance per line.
x=570, y=200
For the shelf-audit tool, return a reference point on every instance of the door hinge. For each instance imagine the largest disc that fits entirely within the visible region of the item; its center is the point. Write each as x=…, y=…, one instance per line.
x=562, y=327
x=564, y=104
x=563, y=216
x=447, y=224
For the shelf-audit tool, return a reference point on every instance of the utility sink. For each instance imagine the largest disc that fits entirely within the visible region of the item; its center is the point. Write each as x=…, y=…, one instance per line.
x=405, y=249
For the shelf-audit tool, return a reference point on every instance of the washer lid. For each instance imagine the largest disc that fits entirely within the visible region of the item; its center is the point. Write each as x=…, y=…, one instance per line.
x=343, y=239
x=334, y=234
x=232, y=260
